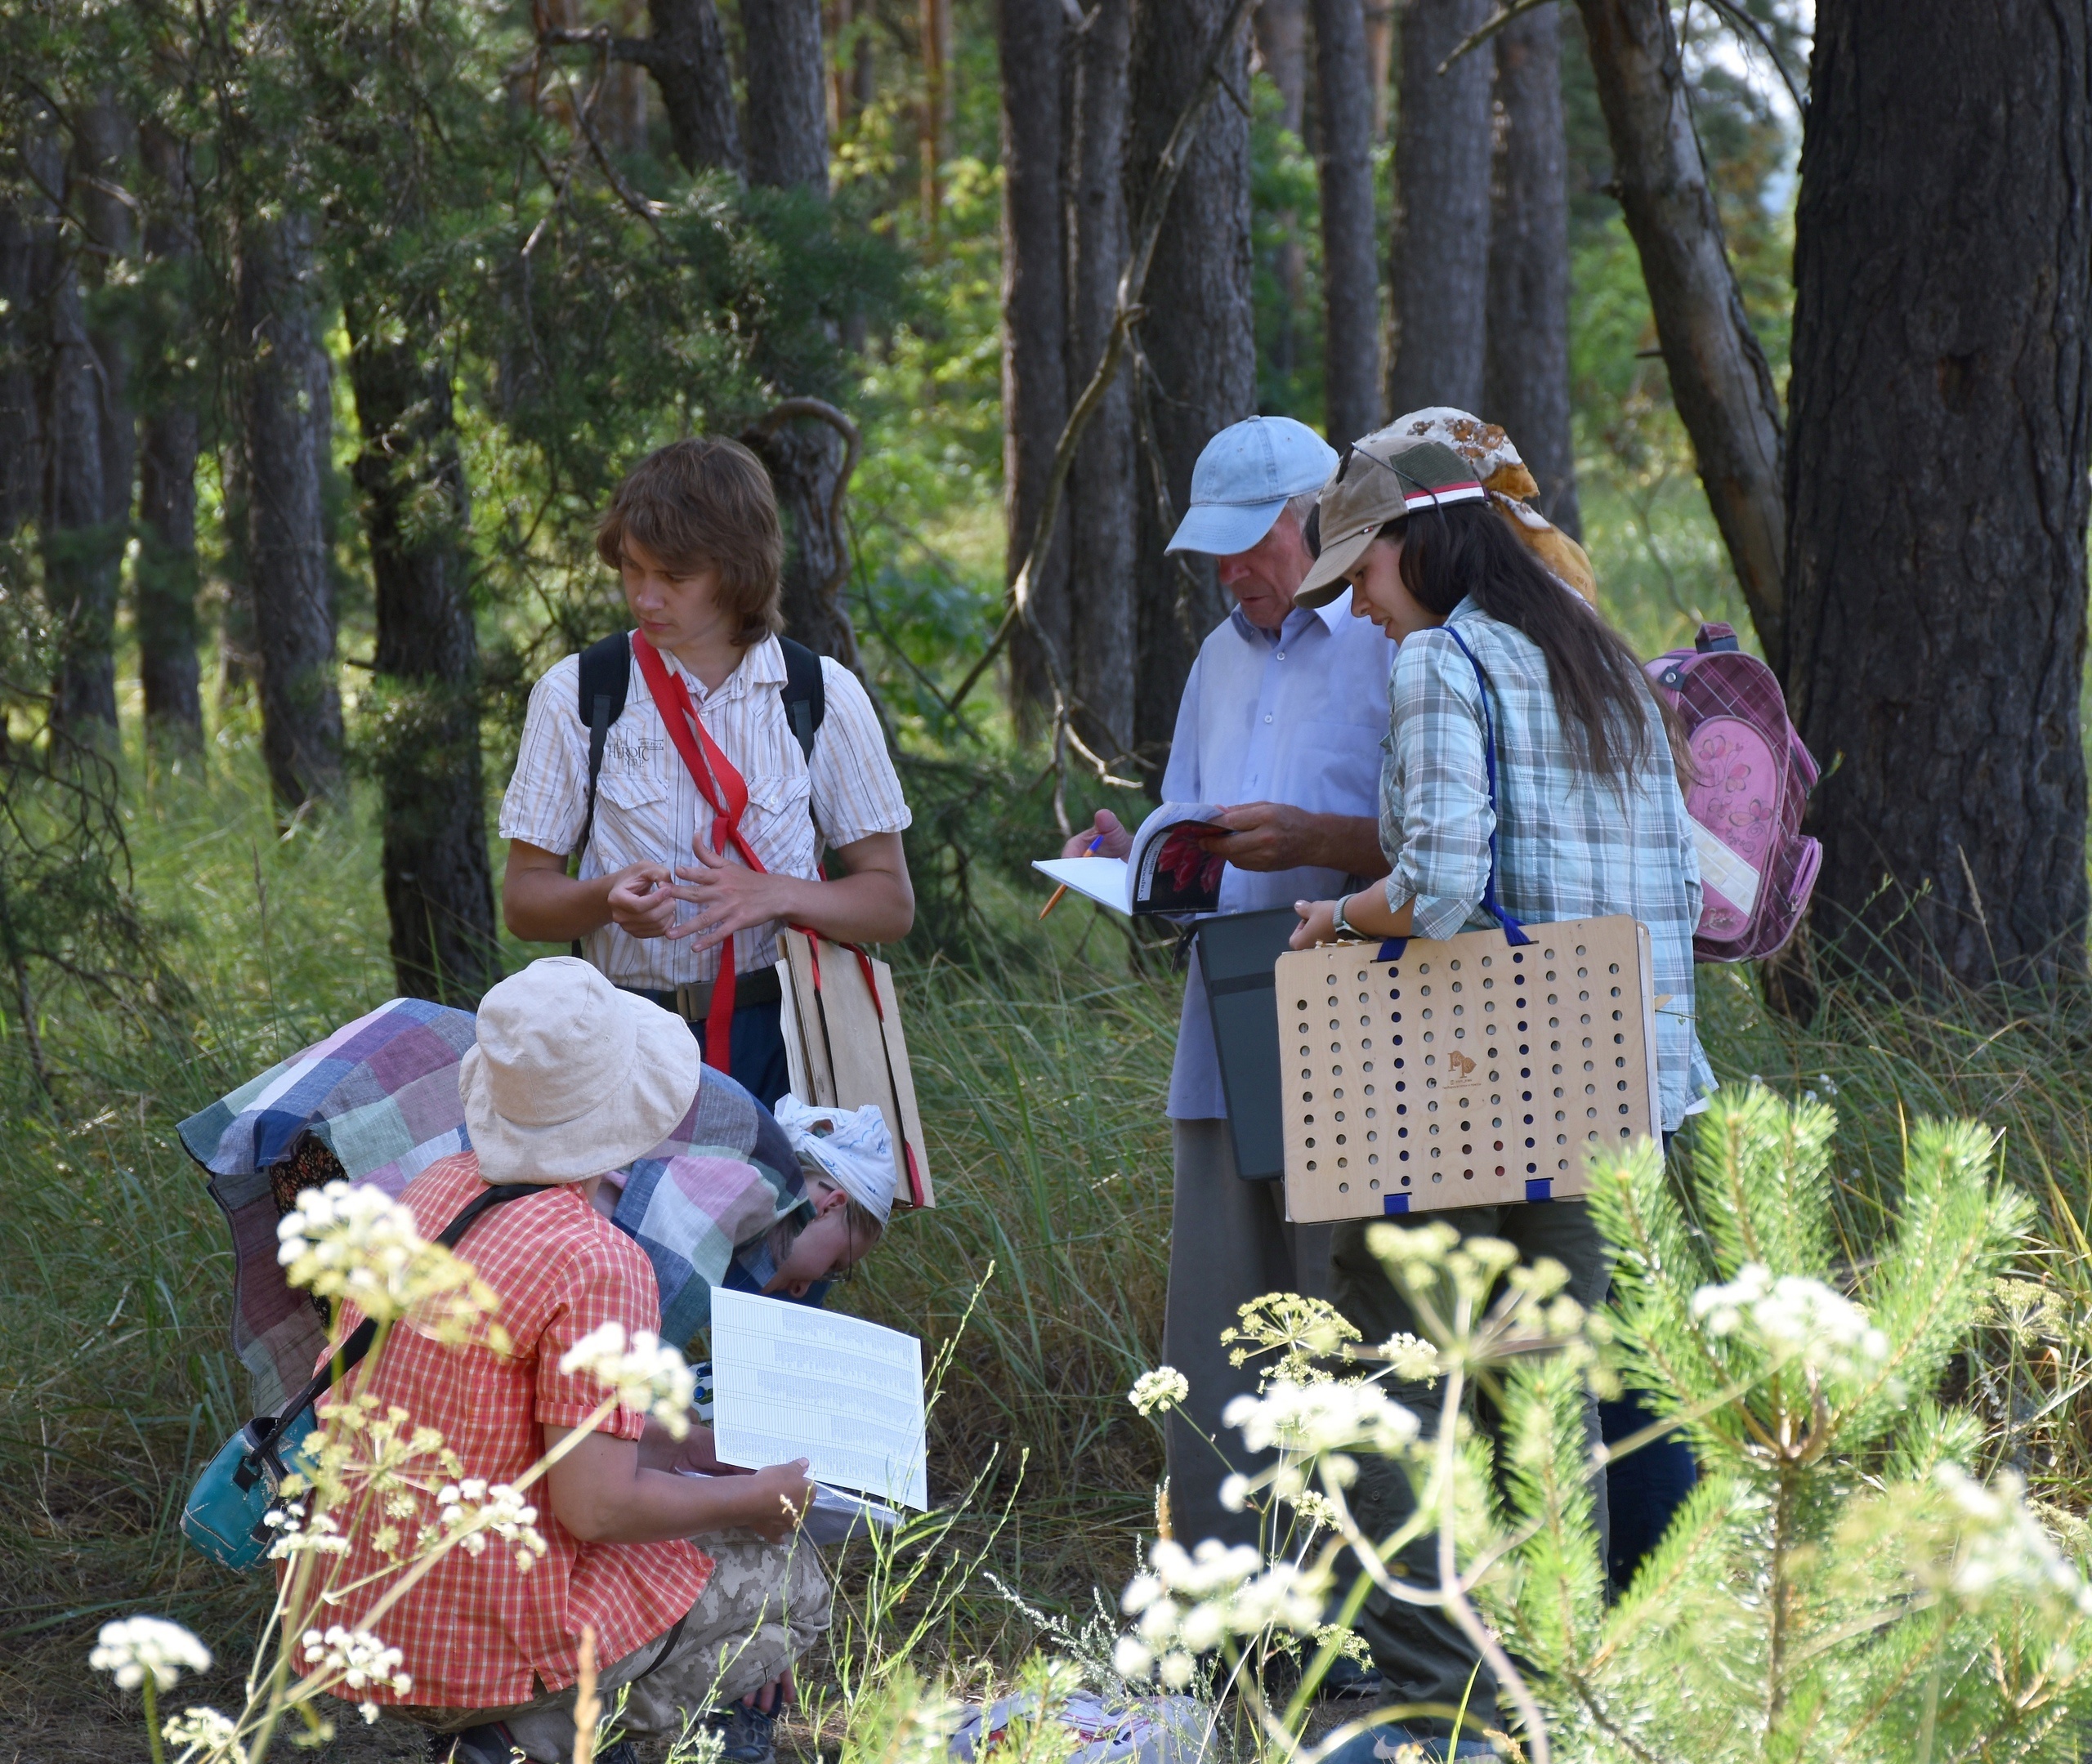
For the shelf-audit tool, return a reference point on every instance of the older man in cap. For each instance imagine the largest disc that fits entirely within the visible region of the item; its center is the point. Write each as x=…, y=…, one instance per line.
x=1281, y=720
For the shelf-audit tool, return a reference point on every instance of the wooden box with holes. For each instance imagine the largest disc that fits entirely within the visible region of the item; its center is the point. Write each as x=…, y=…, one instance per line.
x=1465, y=1072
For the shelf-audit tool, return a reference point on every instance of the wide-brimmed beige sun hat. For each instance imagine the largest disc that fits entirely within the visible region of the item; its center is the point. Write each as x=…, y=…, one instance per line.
x=570, y=1077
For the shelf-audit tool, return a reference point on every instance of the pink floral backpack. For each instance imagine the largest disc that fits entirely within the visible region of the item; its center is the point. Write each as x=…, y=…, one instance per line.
x=1756, y=869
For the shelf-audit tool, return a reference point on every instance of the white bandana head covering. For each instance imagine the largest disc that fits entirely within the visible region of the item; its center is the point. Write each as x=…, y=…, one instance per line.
x=850, y=1146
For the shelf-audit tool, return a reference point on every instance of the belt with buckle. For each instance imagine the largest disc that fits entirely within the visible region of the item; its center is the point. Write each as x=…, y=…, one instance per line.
x=693, y=1002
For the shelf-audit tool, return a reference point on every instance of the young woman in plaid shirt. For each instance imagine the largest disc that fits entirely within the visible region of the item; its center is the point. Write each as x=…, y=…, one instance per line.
x=1587, y=820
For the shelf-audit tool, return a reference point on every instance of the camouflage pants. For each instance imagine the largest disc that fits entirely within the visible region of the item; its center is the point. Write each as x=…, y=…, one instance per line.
x=763, y=1607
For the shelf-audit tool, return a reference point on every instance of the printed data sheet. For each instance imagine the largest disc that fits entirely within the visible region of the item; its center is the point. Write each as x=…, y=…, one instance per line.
x=789, y=1381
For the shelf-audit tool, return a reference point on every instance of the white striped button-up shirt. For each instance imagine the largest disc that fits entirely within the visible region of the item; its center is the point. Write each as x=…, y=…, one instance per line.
x=648, y=810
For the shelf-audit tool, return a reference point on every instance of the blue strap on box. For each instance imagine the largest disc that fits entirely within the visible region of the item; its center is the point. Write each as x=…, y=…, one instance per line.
x=1514, y=933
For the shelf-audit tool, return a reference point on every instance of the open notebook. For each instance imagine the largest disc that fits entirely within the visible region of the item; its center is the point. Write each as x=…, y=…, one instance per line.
x=1167, y=870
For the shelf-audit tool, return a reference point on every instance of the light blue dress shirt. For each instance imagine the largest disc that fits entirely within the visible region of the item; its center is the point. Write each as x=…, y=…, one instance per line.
x=1295, y=715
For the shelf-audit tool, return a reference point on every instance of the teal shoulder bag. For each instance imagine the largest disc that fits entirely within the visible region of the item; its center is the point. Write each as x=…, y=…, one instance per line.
x=226, y=1516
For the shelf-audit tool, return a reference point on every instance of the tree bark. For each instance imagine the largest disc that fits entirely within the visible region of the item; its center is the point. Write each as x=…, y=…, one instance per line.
x=439, y=891
x=1350, y=275
x=787, y=138
x=25, y=265
x=1200, y=346
x=103, y=159
x=1942, y=410
x=686, y=55
x=1281, y=29
x=1719, y=376
x=787, y=131
x=1441, y=255
x=1103, y=478
x=1036, y=396
x=82, y=550
x=287, y=413
x=164, y=590
x=1525, y=382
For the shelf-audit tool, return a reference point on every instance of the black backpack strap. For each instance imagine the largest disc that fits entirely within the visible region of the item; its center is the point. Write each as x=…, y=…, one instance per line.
x=806, y=694
x=353, y=1349
x=605, y=674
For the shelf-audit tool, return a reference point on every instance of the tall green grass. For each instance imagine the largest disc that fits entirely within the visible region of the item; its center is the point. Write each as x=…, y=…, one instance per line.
x=1042, y=1077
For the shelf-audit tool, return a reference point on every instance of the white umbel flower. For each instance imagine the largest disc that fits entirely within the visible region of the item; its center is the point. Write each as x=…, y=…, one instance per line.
x=1309, y=1420
x=2005, y=1549
x=359, y=1245
x=1159, y=1391
x=1191, y=1601
x=357, y=1658
x=203, y=1734
x=133, y=1649
x=470, y=1511
x=1792, y=1317
x=644, y=1371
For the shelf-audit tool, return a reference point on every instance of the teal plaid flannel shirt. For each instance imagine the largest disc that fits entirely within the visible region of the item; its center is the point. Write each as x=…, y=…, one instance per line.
x=1569, y=845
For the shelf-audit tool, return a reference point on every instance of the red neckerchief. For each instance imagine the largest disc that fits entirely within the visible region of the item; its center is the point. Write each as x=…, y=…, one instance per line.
x=725, y=792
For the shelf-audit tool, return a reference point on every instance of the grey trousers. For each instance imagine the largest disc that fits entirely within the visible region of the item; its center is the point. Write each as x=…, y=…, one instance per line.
x=1229, y=1243
x=1421, y=1654
x=764, y=1606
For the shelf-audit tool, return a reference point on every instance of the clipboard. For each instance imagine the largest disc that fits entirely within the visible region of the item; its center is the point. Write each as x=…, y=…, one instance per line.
x=1237, y=952
x=844, y=1046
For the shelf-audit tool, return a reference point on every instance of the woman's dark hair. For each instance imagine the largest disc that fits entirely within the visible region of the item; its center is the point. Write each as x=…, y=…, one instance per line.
x=1468, y=550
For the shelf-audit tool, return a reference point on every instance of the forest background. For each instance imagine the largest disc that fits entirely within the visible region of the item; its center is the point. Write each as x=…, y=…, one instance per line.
x=327, y=329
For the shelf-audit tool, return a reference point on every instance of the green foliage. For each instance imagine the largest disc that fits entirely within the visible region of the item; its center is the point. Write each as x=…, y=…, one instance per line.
x=1841, y=1586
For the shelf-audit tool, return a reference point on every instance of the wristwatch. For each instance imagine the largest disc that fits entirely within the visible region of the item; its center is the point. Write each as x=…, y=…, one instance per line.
x=1342, y=925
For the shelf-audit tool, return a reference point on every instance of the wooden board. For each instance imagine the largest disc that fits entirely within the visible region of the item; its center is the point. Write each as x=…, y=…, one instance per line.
x=910, y=1129
x=846, y=1049
x=1465, y=1072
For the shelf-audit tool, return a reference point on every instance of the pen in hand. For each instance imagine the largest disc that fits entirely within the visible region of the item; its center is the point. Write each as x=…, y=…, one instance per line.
x=1055, y=900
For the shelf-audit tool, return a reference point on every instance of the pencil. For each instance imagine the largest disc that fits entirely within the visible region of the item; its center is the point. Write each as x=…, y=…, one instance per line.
x=1054, y=900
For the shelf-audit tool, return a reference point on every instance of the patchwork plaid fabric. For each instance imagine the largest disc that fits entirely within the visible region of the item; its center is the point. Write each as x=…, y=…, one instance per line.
x=376, y=1102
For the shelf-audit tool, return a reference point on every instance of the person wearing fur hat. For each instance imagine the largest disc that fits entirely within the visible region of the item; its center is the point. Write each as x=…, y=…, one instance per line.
x=570, y=1078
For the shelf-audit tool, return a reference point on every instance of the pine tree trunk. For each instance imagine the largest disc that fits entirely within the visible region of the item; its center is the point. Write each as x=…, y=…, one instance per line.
x=1200, y=343
x=1351, y=273
x=1941, y=419
x=787, y=135
x=1440, y=256
x=106, y=150
x=787, y=131
x=82, y=551
x=24, y=249
x=1526, y=384
x=1281, y=28
x=686, y=55
x=287, y=411
x=1029, y=39
x=1103, y=481
x=165, y=581
x=439, y=891
x=1718, y=377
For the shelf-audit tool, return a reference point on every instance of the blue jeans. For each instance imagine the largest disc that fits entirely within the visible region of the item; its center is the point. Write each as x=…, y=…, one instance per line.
x=755, y=1052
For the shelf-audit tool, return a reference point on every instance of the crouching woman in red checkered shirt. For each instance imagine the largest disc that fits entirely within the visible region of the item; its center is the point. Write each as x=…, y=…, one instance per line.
x=701, y=1592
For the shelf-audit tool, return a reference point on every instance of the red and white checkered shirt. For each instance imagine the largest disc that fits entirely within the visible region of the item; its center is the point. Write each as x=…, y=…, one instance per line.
x=476, y=1633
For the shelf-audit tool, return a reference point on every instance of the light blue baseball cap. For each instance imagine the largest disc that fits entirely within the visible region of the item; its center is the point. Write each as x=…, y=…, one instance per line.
x=1247, y=473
